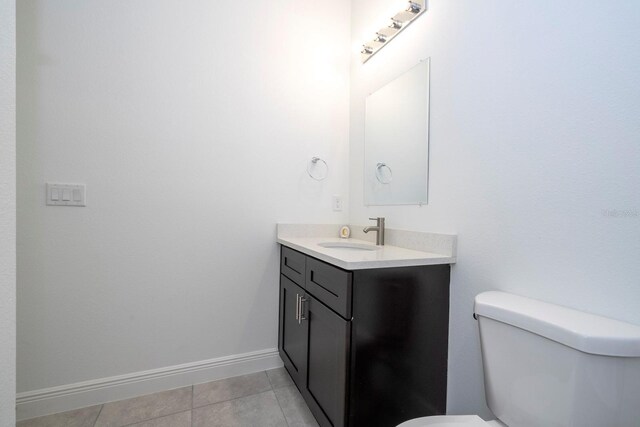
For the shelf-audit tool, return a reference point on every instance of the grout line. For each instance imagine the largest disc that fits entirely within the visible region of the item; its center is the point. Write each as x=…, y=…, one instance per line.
x=99, y=412
x=282, y=386
x=286, y=420
x=156, y=418
x=193, y=390
x=161, y=416
x=269, y=379
x=234, y=398
x=192, y=407
x=153, y=418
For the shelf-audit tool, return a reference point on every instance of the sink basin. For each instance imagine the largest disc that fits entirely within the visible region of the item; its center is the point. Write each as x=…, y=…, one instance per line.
x=349, y=246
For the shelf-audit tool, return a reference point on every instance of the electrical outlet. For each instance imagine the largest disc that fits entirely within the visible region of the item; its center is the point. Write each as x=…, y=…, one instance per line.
x=337, y=203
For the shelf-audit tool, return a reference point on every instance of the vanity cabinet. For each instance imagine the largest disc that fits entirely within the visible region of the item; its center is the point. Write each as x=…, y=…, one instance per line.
x=365, y=347
x=314, y=339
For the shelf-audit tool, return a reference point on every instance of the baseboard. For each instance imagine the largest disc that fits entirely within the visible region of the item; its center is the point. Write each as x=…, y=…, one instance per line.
x=52, y=400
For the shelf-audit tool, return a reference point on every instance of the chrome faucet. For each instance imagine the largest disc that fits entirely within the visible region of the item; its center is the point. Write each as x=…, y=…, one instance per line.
x=379, y=229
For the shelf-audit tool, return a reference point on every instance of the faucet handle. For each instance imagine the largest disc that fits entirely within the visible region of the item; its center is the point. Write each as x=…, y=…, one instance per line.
x=376, y=218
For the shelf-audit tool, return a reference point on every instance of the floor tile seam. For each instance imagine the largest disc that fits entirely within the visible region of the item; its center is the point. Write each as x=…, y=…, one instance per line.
x=286, y=420
x=99, y=412
x=192, y=407
x=156, y=418
x=230, y=378
x=193, y=396
x=232, y=399
x=152, y=418
x=235, y=398
x=273, y=387
x=147, y=419
x=141, y=396
x=283, y=386
x=268, y=380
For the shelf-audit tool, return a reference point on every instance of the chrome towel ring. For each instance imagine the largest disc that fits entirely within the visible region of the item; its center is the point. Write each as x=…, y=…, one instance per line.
x=317, y=169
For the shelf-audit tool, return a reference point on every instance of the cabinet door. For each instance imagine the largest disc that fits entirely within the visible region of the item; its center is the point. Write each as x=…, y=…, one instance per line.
x=292, y=333
x=327, y=363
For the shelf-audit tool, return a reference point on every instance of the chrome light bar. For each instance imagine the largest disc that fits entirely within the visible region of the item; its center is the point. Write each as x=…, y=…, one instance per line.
x=399, y=22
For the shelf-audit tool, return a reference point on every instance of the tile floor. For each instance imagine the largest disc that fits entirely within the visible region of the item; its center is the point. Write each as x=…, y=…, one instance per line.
x=262, y=399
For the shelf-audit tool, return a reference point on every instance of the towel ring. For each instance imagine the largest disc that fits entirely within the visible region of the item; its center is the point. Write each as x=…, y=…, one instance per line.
x=317, y=169
x=384, y=174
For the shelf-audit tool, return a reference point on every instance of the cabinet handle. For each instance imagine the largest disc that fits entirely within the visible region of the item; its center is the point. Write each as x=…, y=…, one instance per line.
x=298, y=307
x=301, y=317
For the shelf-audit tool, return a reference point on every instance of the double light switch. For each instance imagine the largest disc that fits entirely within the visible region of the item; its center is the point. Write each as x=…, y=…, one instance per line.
x=66, y=194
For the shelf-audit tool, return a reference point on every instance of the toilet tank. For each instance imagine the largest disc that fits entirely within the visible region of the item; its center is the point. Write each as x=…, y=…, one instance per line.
x=551, y=366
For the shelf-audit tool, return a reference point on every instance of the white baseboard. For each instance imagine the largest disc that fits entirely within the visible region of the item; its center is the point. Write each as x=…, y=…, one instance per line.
x=53, y=400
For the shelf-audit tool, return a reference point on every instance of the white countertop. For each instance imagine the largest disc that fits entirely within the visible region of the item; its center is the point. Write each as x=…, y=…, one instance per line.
x=386, y=256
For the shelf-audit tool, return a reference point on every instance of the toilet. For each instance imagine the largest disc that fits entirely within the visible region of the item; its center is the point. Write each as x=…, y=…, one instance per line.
x=551, y=366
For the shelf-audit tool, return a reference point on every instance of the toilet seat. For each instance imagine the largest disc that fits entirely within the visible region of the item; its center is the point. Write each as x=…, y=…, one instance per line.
x=449, y=421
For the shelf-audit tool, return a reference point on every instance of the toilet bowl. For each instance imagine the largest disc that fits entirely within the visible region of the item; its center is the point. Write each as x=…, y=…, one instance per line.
x=547, y=365
x=451, y=421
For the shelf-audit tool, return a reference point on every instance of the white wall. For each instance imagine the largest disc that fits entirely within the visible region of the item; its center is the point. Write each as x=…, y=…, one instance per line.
x=535, y=117
x=191, y=124
x=7, y=212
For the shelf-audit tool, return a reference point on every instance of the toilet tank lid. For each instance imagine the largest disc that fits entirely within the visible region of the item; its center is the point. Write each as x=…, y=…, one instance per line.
x=586, y=332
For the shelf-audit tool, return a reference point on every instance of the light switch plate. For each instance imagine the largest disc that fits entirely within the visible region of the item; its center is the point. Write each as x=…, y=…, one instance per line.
x=66, y=194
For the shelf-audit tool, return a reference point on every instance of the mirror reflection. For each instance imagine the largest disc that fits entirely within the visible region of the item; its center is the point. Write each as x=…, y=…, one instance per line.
x=397, y=140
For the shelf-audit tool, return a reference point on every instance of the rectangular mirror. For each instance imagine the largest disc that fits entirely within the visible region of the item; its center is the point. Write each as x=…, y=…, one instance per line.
x=396, y=154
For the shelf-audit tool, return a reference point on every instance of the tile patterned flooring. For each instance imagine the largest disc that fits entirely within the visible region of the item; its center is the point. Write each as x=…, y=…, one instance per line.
x=263, y=399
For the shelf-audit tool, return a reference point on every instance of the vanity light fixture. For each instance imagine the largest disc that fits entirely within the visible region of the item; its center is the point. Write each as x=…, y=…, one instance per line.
x=366, y=50
x=399, y=22
x=381, y=38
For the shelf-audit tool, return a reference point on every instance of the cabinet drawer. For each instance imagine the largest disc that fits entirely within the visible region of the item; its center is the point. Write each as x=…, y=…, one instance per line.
x=292, y=265
x=330, y=285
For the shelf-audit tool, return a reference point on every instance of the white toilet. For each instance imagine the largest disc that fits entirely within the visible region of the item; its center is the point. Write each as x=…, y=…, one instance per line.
x=551, y=366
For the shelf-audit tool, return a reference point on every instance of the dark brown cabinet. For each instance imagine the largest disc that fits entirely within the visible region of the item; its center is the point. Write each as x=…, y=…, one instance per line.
x=365, y=347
